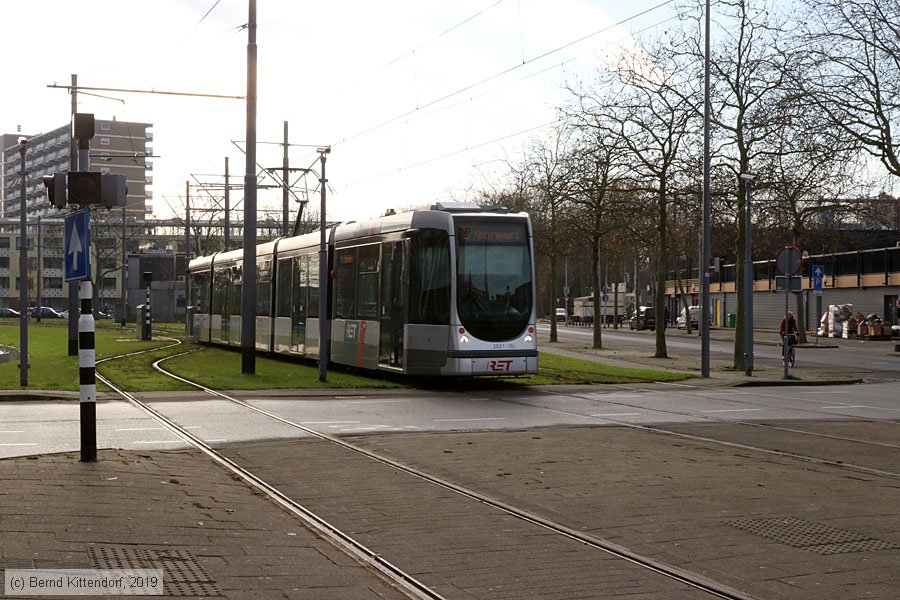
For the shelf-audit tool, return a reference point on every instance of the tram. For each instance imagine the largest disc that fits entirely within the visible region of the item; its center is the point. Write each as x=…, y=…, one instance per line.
x=448, y=290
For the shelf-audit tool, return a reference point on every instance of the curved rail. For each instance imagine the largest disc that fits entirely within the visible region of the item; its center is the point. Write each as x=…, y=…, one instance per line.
x=688, y=578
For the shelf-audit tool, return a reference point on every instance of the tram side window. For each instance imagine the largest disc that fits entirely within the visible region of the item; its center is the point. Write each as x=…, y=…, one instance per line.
x=429, y=278
x=313, y=271
x=345, y=284
x=298, y=295
x=220, y=291
x=367, y=281
x=283, y=288
x=236, y=284
x=200, y=292
x=264, y=288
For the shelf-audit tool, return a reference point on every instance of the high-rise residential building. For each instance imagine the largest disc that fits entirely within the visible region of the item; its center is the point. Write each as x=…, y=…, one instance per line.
x=120, y=147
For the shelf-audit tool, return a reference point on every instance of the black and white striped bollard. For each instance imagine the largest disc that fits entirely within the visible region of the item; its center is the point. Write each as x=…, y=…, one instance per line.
x=147, y=320
x=87, y=378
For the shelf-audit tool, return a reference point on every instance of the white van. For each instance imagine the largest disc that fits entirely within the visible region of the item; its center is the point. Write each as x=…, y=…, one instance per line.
x=696, y=311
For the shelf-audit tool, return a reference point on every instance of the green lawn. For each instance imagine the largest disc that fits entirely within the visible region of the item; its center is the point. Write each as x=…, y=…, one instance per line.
x=220, y=368
x=48, y=347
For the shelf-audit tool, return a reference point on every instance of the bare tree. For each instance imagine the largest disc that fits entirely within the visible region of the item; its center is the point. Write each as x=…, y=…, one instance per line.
x=651, y=119
x=597, y=167
x=747, y=75
x=852, y=49
x=806, y=169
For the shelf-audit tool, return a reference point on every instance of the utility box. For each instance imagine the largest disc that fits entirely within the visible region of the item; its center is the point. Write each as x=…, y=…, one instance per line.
x=143, y=322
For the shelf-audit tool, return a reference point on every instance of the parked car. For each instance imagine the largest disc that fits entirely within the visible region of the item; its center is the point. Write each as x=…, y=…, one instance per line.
x=561, y=314
x=9, y=313
x=645, y=318
x=45, y=312
x=681, y=321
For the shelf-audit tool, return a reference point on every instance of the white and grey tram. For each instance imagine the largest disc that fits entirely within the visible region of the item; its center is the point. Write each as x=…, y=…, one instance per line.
x=444, y=291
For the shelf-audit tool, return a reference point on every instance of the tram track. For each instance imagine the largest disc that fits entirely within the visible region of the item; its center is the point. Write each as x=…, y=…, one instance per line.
x=411, y=585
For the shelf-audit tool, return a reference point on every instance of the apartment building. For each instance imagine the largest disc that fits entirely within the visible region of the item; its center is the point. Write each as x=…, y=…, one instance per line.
x=120, y=147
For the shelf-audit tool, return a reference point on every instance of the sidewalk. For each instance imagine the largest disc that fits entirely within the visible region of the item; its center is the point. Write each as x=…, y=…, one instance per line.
x=211, y=534
x=680, y=360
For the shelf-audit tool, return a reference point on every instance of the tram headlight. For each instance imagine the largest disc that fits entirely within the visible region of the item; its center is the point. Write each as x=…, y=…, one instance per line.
x=528, y=338
x=463, y=339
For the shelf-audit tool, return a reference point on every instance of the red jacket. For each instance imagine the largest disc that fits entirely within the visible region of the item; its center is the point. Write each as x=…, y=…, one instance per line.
x=791, y=327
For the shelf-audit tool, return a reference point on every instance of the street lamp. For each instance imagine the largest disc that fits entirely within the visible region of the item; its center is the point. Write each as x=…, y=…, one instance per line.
x=23, y=274
x=323, y=272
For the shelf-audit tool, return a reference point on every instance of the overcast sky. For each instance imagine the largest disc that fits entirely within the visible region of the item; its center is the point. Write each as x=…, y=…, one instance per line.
x=419, y=99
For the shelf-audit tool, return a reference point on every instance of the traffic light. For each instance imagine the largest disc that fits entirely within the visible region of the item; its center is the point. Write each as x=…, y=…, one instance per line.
x=84, y=187
x=56, y=189
x=113, y=190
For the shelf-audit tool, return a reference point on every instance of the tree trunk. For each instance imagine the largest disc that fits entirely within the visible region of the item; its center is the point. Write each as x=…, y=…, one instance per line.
x=660, y=292
x=595, y=280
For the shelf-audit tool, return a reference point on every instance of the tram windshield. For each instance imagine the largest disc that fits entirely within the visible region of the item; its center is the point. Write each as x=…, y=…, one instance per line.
x=493, y=278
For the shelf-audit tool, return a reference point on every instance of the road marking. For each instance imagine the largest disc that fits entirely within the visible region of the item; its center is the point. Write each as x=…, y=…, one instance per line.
x=728, y=410
x=616, y=414
x=378, y=401
x=461, y=420
x=141, y=429
x=159, y=442
x=12, y=431
x=329, y=422
x=18, y=444
x=816, y=392
x=839, y=406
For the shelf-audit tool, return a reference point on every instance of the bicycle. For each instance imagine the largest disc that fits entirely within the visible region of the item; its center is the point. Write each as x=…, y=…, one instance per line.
x=790, y=352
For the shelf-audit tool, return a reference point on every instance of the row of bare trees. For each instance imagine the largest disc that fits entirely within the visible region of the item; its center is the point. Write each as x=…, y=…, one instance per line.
x=805, y=101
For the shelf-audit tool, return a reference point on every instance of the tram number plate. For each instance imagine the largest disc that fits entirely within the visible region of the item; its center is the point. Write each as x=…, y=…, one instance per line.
x=499, y=365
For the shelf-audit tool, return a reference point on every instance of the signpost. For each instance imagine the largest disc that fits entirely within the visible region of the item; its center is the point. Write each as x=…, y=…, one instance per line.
x=85, y=188
x=788, y=262
x=818, y=272
x=78, y=245
x=78, y=268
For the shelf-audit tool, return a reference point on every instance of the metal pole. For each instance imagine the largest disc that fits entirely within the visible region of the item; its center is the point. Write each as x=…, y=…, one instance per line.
x=188, y=325
x=73, y=166
x=285, y=173
x=705, y=301
x=784, y=339
x=227, y=232
x=818, y=314
x=124, y=273
x=748, y=280
x=248, y=289
x=40, y=270
x=87, y=375
x=323, y=274
x=23, y=273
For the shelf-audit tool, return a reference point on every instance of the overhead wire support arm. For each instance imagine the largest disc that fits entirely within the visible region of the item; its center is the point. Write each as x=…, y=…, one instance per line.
x=79, y=88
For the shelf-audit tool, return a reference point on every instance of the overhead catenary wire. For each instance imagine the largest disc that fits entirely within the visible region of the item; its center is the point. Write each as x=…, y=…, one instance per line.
x=498, y=74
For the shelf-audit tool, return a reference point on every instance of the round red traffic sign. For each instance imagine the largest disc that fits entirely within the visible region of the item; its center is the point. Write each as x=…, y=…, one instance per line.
x=789, y=260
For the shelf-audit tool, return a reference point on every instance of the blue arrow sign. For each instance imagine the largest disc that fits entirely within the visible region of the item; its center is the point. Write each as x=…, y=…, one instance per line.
x=78, y=245
x=818, y=273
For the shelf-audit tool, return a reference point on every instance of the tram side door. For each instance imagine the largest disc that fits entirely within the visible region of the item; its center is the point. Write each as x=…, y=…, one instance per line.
x=391, y=319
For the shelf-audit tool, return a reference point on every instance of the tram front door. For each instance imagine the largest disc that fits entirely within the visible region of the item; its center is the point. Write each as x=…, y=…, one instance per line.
x=390, y=343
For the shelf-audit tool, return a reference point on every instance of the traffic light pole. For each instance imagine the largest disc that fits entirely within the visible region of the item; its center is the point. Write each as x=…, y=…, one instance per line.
x=87, y=374
x=73, y=166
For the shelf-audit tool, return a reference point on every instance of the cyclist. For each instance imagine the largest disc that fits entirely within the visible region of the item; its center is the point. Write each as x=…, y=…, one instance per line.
x=789, y=328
